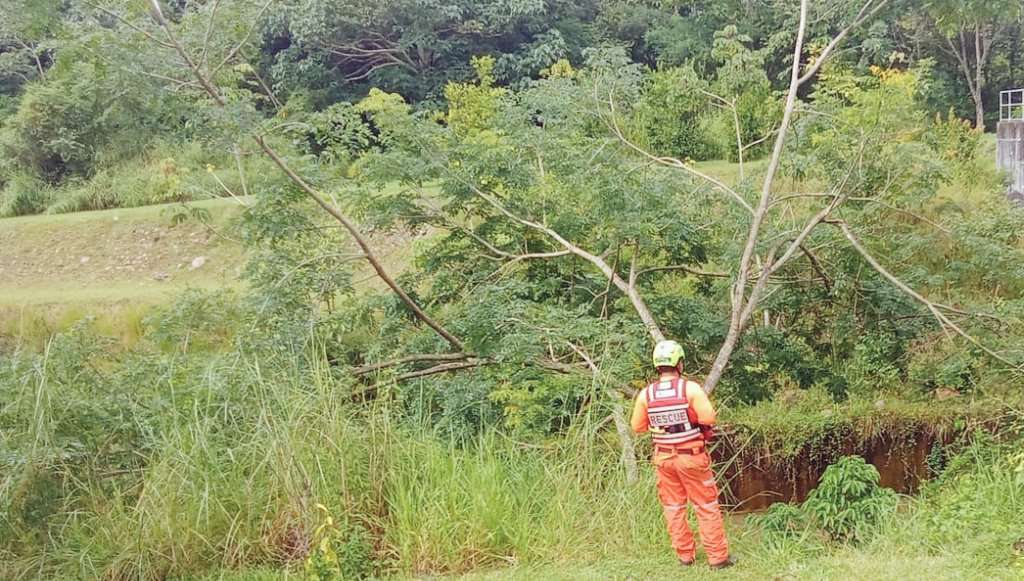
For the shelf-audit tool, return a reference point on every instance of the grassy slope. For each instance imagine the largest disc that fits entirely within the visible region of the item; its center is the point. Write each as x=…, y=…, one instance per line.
x=116, y=264
x=113, y=265
x=114, y=255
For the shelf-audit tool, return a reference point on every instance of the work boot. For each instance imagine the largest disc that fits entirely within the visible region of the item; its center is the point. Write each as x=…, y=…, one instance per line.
x=728, y=562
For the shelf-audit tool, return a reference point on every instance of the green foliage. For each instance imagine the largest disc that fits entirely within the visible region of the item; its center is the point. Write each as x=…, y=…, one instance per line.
x=429, y=43
x=296, y=264
x=79, y=115
x=678, y=40
x=782, y=523
x=669, y=114
x=28, y=34
x=196, y=321
x=847, y=506
x=338, y=552
x=848, y=503
x=471, y=107
x=545, y=50
x=953, y=139
x=338, y=134
x=24, y=194
x=958, y=144
x=971, y=506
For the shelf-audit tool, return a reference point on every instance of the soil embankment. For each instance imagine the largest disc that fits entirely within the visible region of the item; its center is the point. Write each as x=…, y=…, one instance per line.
x=755, y=481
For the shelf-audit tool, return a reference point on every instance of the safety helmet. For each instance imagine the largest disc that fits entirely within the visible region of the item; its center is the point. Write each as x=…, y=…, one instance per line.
x=667, y=354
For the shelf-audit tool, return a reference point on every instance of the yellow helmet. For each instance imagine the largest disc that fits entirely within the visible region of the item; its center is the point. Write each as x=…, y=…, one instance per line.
x=667, y=354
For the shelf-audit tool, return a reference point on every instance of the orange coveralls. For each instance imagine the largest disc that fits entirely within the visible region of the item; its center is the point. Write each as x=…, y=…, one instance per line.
x=683, y=478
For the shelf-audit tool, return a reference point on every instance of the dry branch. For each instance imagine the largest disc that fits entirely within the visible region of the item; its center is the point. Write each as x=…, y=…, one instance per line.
x=417, y=358
x=637, y=300
x=622, y=427
x=934, y=308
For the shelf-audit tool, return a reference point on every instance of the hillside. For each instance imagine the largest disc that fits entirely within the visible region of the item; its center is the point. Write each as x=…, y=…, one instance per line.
x=139, y=255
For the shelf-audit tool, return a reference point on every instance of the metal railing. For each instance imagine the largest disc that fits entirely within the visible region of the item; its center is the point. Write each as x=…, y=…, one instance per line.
x=1011, y=104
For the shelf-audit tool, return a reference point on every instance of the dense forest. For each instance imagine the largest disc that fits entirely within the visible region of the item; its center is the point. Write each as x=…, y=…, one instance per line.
x=85, y=100
x=464, y=227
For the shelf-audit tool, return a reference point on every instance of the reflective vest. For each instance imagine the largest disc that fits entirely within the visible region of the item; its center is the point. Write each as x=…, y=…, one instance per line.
x=669, y=410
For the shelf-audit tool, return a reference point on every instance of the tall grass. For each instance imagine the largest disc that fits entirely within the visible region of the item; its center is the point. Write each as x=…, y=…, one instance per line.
x=152, y=464
x=233, y=478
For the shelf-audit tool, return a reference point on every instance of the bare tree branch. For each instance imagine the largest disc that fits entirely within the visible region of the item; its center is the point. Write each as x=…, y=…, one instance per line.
x=934, y=308
x=635, y=297
x=234, y=51
x=741, y=309
x=209, y=31
x=683, y=268
x=442, y=368
x=417, y=358
x=622, y=427
x=731, y=106
x=673, y=162
x=363, y=244
x=158, y=16
x=816, y=265
x=866, y=12
x=129, y=24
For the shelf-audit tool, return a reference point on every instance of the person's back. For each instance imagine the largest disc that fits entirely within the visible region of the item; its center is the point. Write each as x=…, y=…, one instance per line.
x=680, y=417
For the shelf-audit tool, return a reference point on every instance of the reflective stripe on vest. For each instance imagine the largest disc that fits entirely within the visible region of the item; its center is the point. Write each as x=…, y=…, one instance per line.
x=669, y=409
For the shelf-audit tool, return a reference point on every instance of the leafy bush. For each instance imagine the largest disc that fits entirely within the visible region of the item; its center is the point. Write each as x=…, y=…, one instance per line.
x=338, y=134
x=668, y=116
x=957, y=144
x=953, y=139
x=77, y=116
x=749, y=100
x=848, y=503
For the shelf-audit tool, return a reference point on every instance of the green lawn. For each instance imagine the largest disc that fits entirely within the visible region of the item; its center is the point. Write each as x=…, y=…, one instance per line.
x=843, y=564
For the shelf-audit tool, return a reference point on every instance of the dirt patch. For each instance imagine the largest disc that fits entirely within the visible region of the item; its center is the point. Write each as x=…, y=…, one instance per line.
x=117, y=252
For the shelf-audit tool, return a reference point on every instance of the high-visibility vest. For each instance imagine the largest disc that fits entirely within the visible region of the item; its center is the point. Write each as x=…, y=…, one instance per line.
x=669, y=410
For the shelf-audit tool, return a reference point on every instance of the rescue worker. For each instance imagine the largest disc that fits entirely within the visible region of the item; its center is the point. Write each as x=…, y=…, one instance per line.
x=679, y=416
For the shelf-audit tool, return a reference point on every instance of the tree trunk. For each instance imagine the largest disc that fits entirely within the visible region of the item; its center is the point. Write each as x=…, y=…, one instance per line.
x=742, y=305
x=980, y=57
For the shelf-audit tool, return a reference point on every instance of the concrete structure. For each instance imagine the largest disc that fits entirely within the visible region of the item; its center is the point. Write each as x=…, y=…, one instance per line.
x=1010, y=140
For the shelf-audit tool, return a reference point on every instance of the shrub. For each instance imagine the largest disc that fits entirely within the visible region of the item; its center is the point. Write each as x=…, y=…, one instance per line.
x=952, y=138
x=338, y=134
x=956, y=144
x=340, y=550
x=670, y=112
x=848, y=503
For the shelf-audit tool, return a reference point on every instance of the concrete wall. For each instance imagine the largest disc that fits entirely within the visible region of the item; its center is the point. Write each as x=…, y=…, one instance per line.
x=1010, y=154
